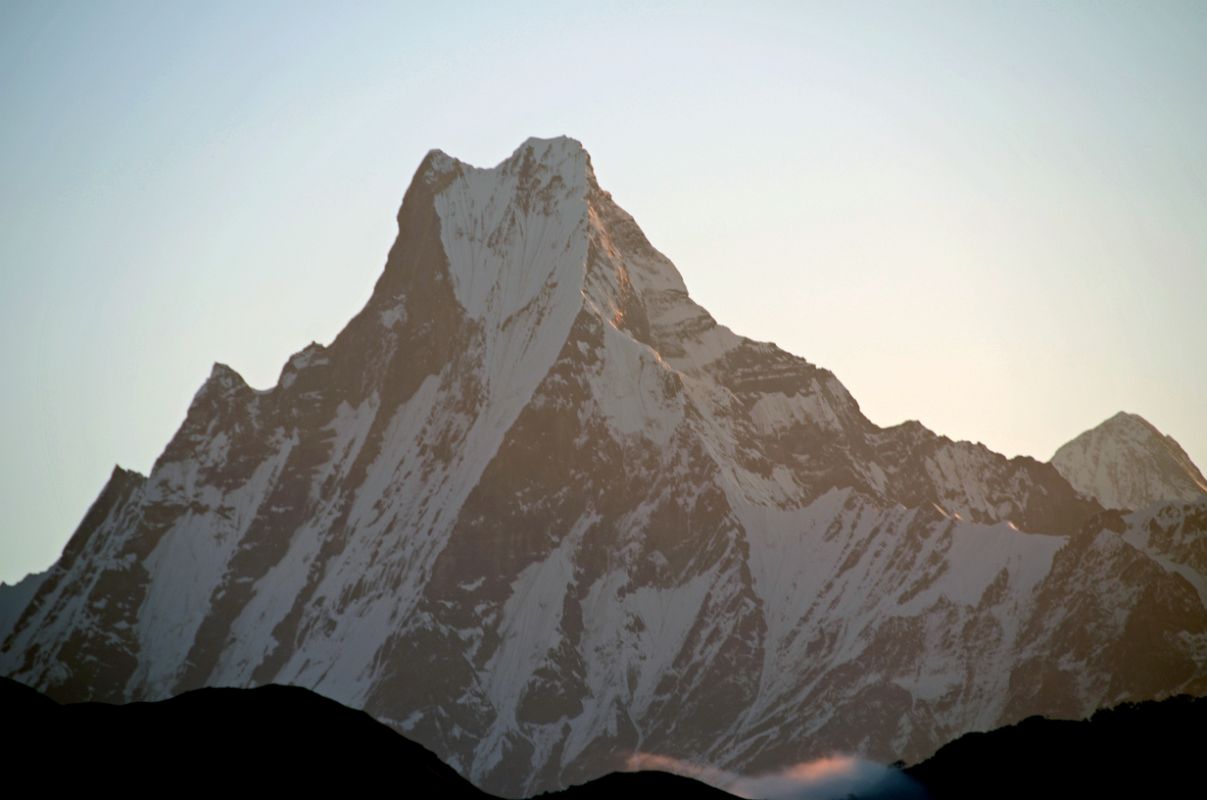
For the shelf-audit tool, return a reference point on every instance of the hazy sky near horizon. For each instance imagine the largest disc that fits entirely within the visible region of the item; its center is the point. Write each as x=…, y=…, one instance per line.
x=990, y=217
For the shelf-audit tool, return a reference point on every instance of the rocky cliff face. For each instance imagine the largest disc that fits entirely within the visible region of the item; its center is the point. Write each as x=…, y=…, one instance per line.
x=537, y=510
x=1127, y=463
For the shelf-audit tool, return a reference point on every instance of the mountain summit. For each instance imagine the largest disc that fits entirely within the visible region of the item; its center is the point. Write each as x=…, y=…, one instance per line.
x=534, y=508
x=1125, y=462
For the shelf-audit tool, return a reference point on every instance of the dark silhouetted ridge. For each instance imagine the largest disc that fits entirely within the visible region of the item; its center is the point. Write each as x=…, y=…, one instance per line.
x=1135, y=750
x=620, y=785
x=283, y=737
x=277, y=738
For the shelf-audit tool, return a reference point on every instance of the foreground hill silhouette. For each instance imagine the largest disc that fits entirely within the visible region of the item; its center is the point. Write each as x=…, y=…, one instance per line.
x=284, y=738
x=280, y=738
x=1135, y=750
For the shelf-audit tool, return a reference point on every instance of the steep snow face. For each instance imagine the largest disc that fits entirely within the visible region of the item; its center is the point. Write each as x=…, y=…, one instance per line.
x=537, y=509
x=515, y=239
x=1127, y=463
x=516, y=231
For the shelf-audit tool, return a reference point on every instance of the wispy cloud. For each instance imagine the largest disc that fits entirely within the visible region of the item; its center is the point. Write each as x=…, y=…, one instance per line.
x=829, y=778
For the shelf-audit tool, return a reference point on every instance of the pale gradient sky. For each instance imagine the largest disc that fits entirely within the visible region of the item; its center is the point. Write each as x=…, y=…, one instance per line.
x=988, y=217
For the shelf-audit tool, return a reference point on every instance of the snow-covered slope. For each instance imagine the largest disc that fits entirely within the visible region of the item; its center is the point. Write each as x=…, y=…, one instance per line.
x=536, y=509
x=1125, y=462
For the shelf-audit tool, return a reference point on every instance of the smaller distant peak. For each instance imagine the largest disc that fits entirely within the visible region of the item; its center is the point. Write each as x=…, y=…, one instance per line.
x=1127, y=462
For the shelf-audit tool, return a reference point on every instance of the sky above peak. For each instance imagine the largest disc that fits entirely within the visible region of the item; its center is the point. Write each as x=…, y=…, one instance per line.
x=984, y=216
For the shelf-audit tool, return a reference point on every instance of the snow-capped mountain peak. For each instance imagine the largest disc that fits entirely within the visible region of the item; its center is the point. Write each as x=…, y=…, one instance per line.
x=537, y=509
x=1125, y=462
